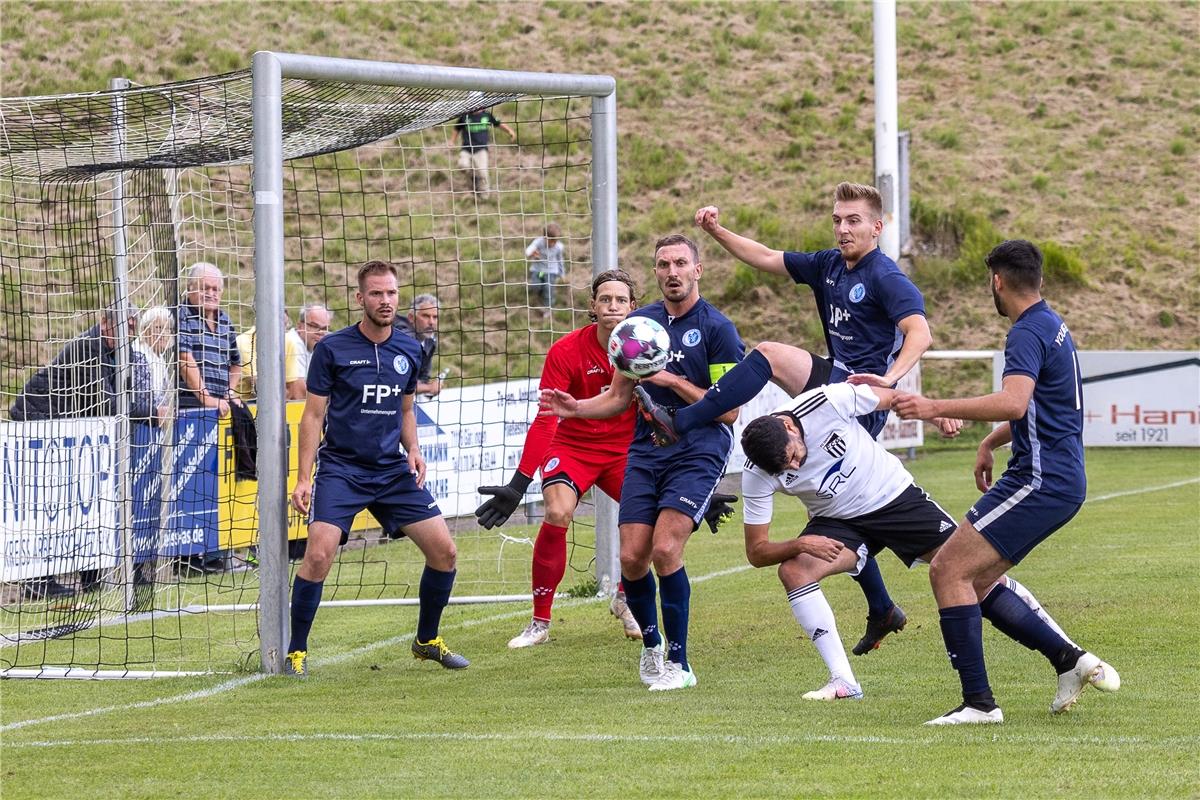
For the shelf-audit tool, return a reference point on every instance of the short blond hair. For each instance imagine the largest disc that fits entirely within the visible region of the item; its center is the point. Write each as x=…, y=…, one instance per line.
x=847, y=192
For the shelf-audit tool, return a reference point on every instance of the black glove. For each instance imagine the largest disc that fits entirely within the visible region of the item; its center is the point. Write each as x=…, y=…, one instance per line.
x=505, y=499
x=720, y=509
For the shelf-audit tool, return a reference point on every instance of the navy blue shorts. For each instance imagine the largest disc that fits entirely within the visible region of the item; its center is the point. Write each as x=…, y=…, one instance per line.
x=683, y=482
x=392, y=498
x=1014, y=517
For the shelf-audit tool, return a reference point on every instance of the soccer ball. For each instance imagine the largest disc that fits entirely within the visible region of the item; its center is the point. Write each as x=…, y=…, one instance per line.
x=639, y=347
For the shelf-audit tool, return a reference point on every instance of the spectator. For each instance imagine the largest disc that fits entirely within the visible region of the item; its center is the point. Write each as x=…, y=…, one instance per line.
x=209, y=361
x=156, y=330
x=476, y=128
x=293, y=368
x=210, y=364
x=422, y=324
x=545, y=256
x=81, y=381
x=314, y=324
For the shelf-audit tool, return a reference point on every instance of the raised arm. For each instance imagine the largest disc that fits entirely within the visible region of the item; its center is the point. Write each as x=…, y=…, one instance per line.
x=556, y=402
x=743, y=249
x=1011, y=402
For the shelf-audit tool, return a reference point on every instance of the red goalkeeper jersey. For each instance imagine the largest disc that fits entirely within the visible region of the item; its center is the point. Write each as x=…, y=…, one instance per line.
x=577, y=364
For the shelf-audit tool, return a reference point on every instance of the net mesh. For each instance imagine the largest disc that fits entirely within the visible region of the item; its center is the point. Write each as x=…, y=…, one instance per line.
x=128, y=531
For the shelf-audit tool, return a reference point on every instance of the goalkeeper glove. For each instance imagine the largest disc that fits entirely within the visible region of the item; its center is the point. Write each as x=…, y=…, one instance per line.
x=505, y=499
x=720, y=509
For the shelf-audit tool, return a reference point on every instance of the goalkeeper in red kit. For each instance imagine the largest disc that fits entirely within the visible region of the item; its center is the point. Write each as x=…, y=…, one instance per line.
x=574, y=454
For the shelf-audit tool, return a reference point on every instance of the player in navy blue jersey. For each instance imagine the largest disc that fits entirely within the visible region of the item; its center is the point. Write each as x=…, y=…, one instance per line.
x=1041, y=406
x=875, y=330
x=667, y=490
x=361, y=386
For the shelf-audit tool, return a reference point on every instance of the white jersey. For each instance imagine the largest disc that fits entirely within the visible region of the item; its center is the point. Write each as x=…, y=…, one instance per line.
x=847, y=473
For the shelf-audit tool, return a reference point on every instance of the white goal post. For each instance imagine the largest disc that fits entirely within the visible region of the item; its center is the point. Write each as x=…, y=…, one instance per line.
x=269, y=70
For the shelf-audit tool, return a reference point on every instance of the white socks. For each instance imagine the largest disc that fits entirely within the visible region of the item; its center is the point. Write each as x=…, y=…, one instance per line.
x=812, y=611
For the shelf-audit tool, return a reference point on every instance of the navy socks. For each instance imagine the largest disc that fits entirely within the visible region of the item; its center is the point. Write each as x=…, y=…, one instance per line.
x=1011, y=616
x=879, y=602
x=306, y=597
x=676, y=601
x=434, y=593
x=641, y=596
x=962, y=631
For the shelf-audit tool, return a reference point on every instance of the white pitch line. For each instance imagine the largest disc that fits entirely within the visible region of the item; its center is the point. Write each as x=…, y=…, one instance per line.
x=603, y=738
x=1144, y=490
x=341, y=658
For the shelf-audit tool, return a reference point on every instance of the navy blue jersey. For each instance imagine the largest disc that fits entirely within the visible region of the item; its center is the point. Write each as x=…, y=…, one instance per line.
x=1047, y=442
x=859, y=307
x=365, y=383
x=704, y=346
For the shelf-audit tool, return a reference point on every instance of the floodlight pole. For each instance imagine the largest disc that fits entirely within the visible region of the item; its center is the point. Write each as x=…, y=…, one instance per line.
x=887, y=145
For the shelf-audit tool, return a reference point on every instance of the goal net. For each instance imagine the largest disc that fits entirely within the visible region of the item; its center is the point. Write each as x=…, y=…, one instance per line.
x=129, y=513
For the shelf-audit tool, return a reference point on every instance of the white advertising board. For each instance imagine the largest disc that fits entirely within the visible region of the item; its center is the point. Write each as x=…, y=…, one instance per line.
x=1139, y=398
x=58, y=497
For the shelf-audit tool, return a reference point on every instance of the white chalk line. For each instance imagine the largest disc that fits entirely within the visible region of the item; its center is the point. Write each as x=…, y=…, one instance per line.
x=341, y=658
x=603, y=738
x=1145, y=490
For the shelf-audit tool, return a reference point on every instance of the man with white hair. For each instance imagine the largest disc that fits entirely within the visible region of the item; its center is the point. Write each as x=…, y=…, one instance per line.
x=210, y=365
x=209, y=361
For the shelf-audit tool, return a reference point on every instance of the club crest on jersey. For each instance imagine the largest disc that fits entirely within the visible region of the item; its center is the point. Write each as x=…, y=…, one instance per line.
x=551, y=465
x=401, y=364
x=858, y=293
x=834, y=445
x=692, y=338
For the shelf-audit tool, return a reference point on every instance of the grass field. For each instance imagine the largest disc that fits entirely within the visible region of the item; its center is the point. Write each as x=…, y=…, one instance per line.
x=569, y=719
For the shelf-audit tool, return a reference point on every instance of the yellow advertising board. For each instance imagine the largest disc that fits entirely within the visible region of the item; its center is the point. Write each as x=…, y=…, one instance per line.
x=237, y=499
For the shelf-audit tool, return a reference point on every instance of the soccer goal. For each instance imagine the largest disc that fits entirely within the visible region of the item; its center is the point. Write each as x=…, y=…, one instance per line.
x=143, y=537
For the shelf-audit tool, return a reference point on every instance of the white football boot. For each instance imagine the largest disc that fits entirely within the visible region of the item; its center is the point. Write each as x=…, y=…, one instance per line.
x=536, y=632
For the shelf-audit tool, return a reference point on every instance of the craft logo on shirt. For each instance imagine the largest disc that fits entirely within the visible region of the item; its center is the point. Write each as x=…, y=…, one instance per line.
x=551, y=465
x=858, y=293
x=595, y=369
x=401, y=364
x=691, y=338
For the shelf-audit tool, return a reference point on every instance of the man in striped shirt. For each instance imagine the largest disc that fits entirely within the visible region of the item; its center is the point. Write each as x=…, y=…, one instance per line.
x=209, y=361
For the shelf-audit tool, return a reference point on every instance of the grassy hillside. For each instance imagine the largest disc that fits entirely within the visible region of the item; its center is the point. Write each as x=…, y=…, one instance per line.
x=1074, y=124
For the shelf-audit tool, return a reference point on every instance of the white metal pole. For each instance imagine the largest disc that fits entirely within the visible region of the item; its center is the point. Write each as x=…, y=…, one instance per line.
x=886, y=124
x=604, y=256
x=273, y=618
x=124, y=353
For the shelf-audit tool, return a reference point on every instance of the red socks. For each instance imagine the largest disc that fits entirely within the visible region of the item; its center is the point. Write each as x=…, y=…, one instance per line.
x=549, y=565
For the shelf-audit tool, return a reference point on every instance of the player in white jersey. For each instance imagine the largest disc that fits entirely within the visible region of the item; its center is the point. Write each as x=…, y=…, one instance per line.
x=862, y=500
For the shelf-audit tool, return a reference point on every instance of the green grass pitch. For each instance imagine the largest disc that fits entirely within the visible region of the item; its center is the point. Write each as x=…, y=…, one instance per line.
x=570, y=719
